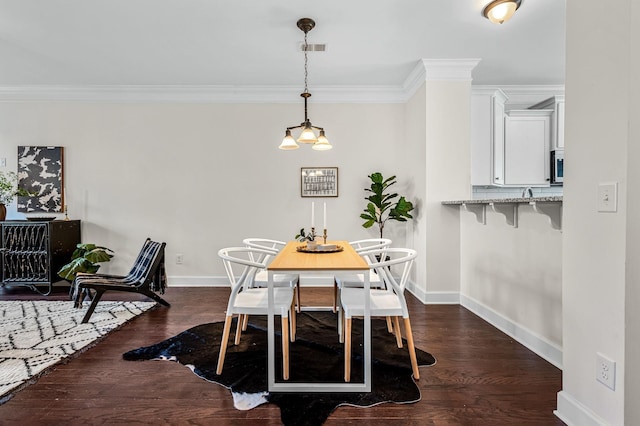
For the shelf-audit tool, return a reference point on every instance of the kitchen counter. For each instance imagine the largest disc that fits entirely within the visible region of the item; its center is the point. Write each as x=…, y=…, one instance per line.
x=552, y=199
x=548, y=206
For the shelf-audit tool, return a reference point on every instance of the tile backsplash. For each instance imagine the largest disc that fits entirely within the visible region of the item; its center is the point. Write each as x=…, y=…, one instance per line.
x=488, y=192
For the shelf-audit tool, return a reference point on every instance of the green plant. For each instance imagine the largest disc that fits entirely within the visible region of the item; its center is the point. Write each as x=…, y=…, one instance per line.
x=9, y=187
x=382, y=205
x=302, y=236
x=84, y=259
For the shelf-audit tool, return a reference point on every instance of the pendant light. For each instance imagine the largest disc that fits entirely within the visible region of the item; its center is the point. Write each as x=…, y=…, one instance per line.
x=307, y=135
x=500, y=11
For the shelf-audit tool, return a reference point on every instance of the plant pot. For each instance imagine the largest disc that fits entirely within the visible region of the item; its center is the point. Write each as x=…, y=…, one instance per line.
x=312, y=245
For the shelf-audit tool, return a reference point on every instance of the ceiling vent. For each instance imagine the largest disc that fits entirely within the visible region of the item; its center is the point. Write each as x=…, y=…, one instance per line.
x=318, y=47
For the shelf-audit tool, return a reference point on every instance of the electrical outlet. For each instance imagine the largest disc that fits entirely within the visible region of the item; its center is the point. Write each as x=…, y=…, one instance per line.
x=179, y=258
x=606, y=371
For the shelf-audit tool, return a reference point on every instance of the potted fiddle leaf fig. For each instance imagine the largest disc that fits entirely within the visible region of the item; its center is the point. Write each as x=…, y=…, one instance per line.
x=383, y=204
x=85, y=258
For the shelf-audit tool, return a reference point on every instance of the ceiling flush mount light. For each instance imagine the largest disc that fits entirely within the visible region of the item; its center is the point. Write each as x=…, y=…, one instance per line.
x=308, y=135
x=499, y=11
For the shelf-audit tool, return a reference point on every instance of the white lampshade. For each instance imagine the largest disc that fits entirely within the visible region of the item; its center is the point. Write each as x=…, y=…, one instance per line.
x=323, y=143
x=499, y=11
x=288, y=142
x=307, y=136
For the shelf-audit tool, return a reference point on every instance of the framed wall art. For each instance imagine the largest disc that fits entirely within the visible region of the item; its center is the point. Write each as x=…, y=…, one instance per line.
x=319, y=182
x=40, y=173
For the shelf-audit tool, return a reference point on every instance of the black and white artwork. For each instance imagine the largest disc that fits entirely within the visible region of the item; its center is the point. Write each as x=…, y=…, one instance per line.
x=40, y=174
x=319, y=182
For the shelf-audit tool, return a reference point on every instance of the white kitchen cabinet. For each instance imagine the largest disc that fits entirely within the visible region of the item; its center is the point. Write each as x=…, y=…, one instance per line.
x=526, y=153
x=487, y=132
x=555, y=103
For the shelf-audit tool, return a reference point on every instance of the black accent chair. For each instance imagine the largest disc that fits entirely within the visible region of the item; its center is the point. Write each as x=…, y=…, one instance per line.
x=147, y=276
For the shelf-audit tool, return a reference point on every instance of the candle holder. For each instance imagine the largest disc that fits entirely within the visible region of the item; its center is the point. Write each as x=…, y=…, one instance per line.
x=324, y=236
x=66, y=211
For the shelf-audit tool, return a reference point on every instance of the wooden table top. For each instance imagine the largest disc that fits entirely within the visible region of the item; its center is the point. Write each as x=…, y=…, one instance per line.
x=289, y=259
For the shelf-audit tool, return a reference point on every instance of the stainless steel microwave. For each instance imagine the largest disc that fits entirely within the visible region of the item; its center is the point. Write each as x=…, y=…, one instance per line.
x=557, y=166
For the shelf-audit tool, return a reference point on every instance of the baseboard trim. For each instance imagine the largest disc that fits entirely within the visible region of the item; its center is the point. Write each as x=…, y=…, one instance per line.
x=420, y=294
x=573, y=413
x=531, y=340
x=208, y=281
x=442, y=298
x=434, y=297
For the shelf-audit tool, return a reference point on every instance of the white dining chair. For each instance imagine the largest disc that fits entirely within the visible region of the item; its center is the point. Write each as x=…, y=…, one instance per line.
x=357, y=280
x=279, y=280
x=385, y=302
x=245, y=299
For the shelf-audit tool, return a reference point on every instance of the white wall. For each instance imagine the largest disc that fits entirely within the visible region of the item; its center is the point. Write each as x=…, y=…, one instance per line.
x=598, y=129
x=414, y=160
x=203, y=176
x=513, y=277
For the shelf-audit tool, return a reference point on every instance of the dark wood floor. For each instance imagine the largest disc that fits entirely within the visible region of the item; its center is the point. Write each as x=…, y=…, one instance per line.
x=482, y=376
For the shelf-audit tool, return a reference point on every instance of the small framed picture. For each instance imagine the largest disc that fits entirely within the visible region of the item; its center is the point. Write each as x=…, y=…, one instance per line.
x=319, y=182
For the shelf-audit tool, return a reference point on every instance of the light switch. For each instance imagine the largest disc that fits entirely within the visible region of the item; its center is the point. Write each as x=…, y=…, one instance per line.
x=608, y=197
x=3, y=162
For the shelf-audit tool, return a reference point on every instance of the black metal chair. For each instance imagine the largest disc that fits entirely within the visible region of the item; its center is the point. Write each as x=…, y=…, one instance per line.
x=147, y=276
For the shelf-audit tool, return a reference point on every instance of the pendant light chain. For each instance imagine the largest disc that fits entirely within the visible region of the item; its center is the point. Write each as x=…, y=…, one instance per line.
x=306, y=62
x=306, y=93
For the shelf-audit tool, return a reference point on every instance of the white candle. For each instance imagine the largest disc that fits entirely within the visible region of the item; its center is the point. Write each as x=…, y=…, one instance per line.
x=325, y=215
x=313, y=207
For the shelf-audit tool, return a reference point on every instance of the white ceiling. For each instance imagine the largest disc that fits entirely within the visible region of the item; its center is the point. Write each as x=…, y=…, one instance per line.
x=256, y=42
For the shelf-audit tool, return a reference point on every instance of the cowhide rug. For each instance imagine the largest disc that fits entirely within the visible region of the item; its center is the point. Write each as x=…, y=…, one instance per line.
x=316, y=355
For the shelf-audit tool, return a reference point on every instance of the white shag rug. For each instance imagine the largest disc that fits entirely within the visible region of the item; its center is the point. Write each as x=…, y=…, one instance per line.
x=37, y=334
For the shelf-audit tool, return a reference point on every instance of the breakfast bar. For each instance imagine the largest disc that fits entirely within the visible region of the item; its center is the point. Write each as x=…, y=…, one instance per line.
x=548, y=206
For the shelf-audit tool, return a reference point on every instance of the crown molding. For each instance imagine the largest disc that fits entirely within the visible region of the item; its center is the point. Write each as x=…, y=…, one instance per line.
x=524, y=96
x=522, y=90
x=357, y=94
x=414, y=80
x=449, y=69
x=425, y=70
x=438, y=70
x=200, y=94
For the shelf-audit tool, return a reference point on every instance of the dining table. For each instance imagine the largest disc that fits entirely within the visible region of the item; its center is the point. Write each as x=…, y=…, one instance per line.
x=295, y=258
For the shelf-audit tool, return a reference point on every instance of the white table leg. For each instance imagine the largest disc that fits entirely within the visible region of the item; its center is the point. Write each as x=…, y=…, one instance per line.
x=367, y=331
x=271, y=373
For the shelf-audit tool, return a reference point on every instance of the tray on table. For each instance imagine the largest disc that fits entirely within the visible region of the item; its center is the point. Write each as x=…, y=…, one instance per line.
x=305, y=249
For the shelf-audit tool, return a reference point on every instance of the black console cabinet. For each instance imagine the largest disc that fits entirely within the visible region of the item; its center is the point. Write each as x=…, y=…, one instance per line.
x=34, y=251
